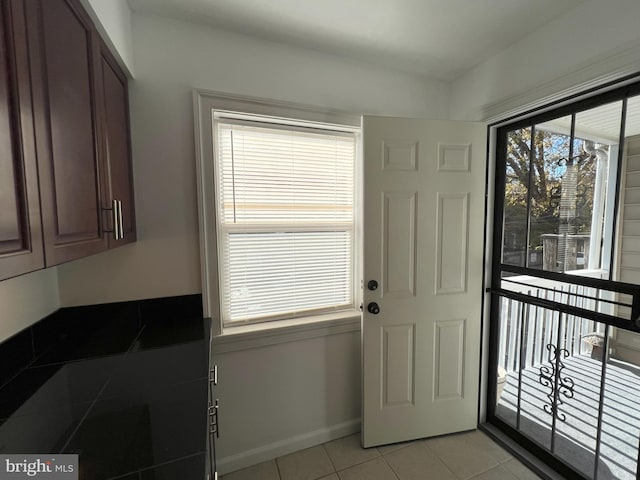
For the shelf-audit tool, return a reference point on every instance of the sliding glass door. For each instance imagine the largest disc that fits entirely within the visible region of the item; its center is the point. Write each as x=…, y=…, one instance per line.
x=565, y=347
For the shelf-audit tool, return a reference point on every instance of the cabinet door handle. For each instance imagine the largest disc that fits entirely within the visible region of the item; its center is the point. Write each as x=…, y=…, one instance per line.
x=120, y=222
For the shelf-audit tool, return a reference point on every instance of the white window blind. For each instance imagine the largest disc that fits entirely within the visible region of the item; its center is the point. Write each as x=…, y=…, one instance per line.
x=286, y=220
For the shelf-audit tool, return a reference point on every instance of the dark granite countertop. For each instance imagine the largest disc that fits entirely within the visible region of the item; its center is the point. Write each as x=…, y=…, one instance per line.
x=122, y=385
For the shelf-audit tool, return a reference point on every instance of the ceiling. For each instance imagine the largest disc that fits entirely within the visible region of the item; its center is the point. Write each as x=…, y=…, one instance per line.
x=601, y=124
x=440, y=39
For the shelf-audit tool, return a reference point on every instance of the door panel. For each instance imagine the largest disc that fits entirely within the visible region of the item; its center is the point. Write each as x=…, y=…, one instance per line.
x=64, y=52
x=452, y=239
x=399, y=246
x=11, y=214
x=424, y=199
x=398, y=354
x=117, y=147
x=20, y=230
x=448, y=360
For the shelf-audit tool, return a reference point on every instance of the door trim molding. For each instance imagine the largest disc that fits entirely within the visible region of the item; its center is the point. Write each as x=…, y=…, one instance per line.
x=603, y=72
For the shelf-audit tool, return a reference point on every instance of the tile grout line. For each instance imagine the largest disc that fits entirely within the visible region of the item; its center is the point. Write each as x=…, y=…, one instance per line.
x=29, y=365
x=404, y=445
x=168, y=462
x=479, y=444
x=359, y=463
x=326, y=452
x=98, y=395
x=485, y=471
x=395, y=474
x=84, y=417
x=435, y=454
x=336, y=470
x=278, y=468
x=133, y=343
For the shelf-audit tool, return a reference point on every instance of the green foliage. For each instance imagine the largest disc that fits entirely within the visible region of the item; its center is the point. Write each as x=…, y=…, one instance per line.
x=557, y=183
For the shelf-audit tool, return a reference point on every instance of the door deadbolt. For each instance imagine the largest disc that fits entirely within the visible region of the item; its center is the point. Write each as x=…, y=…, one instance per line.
x=372, y=285
x=374, y=308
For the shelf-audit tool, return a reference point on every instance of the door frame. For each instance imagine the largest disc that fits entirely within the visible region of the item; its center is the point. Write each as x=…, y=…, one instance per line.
x=565, y=98
x=607, y=92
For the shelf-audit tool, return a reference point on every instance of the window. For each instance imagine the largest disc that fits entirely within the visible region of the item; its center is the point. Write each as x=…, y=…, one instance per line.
x=559, y=176
x=285, y=217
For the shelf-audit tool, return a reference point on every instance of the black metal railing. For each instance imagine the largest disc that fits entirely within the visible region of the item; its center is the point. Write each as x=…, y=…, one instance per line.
x=543, y=318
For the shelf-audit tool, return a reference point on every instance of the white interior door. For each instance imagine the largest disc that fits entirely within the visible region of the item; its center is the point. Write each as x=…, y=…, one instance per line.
x=423, y=235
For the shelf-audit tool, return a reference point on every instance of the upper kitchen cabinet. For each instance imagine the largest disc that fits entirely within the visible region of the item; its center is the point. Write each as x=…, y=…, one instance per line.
x=20, y=232
x=116, y=151
x=65, y=54
x=66, y=188
x=82, y=133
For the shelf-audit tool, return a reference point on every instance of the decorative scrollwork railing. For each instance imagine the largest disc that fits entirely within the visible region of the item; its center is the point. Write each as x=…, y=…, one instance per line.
x=560, y=385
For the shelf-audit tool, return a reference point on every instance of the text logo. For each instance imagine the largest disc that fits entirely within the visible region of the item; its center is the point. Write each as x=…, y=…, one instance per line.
x=51, y=467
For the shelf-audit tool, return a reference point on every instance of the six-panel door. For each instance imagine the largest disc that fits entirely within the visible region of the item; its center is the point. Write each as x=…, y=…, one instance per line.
x=423, y=231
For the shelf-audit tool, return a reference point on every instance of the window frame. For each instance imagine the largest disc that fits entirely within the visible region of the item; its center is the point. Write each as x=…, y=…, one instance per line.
x=206, y=105
x=223, y=229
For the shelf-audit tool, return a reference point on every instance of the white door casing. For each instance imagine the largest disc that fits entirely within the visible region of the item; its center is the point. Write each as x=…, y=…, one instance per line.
x=423, y=244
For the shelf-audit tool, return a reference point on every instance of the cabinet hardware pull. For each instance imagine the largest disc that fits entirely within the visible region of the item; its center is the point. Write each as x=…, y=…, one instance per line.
x=120, y=222
x=213, y=375
x=116, y=224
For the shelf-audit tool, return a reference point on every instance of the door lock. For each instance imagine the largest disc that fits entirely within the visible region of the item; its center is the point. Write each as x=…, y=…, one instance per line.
x=372, y=285
x=374, y=308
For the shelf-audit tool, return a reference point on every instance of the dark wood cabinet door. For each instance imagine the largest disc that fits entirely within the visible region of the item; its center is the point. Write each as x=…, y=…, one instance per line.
x=116, y=153
x=64, y=55
x=20, y=229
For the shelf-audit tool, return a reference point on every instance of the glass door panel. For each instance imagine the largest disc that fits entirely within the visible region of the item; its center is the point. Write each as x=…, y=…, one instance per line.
x=518, y=159
x=549, y=194
x=558, y=175
x=566, y=287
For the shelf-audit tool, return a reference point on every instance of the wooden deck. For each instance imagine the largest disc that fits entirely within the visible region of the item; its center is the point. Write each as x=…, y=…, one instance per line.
x=577, y=421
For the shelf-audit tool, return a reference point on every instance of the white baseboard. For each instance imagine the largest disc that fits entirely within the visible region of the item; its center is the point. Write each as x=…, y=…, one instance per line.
x=289, y=445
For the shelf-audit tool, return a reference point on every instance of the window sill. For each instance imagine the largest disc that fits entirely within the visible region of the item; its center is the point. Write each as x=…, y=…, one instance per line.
x=256, y=335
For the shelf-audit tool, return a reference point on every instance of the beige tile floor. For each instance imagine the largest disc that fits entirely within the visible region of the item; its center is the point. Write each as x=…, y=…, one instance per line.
x=469, y=455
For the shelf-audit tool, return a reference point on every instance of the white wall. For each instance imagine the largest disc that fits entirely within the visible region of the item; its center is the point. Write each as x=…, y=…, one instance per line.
x=172, y=58
x=113, y=21
x=26, y=299
x=596, y=41
x=280, y=398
